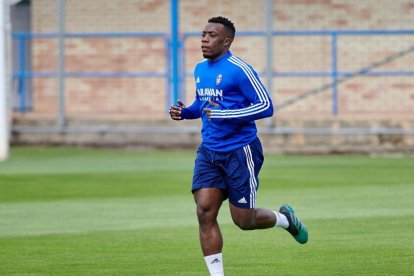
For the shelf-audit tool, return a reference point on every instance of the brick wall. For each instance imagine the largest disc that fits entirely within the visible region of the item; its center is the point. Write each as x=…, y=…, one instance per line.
x=143, y=99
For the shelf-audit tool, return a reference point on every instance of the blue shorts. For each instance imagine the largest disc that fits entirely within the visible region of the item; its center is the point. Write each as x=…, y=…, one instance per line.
x=236, y=172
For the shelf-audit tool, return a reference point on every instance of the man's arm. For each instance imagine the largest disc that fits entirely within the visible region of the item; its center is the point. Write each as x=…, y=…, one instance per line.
x=181, y=112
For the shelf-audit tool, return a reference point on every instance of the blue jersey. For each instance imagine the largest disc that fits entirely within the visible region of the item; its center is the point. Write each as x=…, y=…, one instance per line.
x=242, y=99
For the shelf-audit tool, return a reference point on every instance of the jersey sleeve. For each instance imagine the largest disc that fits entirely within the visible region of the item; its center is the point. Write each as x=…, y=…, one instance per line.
x=192, y=112
x=261, y=105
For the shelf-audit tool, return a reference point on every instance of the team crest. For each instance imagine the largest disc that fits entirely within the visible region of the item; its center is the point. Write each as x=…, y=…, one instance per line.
x=218, y=79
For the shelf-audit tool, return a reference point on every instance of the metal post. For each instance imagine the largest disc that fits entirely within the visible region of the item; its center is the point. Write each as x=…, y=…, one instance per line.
x=334, y=75
x=168, y=88
x=175, y=49
x=4, y=122
x=61, y=63
x=269, y=51
x=22, y=76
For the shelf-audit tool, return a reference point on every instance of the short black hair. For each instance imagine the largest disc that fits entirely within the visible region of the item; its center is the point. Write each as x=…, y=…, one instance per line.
x=225, y=22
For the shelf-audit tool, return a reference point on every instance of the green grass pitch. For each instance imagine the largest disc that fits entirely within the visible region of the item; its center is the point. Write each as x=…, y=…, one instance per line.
x=67, y=211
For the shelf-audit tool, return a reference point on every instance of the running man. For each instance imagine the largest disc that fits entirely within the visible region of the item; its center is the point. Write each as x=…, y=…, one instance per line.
x=229, y=98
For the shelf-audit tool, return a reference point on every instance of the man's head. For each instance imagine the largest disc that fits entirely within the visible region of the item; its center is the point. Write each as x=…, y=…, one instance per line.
x=217, y=37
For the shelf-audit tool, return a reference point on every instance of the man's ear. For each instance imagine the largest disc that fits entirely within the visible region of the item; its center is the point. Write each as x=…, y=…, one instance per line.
x=228, y=41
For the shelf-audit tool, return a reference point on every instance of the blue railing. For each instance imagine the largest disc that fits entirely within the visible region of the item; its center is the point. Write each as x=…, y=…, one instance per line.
x=22, y=73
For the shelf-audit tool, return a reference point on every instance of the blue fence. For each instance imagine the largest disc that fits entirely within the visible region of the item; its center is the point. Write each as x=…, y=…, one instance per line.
x=22, y=73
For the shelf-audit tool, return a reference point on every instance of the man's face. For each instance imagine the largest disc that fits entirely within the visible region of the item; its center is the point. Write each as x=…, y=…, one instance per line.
x=215, y=41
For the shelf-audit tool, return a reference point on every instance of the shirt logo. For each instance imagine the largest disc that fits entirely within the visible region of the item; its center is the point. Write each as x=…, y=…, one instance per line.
x=218, y=79
x=198, y=80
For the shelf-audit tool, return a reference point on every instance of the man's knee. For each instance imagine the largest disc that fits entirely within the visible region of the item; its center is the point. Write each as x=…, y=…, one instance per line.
x=206, y=215
x=208, y=203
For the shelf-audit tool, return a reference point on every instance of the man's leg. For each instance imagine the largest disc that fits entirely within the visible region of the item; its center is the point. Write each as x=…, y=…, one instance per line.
x=259, y=218
x=208, y=202
x=243, y=180
x=249, y=219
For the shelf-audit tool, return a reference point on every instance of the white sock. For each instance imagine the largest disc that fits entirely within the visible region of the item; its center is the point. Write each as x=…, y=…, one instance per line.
x=215, y=264
x=281, y=220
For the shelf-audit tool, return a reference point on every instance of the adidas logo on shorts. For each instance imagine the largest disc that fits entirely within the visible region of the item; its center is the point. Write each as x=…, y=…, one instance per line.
x=242, y=200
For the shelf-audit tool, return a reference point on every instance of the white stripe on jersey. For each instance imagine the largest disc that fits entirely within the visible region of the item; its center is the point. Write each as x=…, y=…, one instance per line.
x=248, y=71
x=253, y=183
x=258, y=87
x=256, y=108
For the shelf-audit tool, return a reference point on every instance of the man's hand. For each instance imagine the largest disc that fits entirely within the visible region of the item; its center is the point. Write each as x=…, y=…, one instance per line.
x=208, y=110
x=175, y=111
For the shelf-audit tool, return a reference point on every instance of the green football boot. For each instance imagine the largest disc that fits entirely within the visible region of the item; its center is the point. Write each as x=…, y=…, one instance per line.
x=296, y=228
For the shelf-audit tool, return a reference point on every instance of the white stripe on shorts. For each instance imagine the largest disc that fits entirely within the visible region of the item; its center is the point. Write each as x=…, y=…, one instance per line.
x=253, y=183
